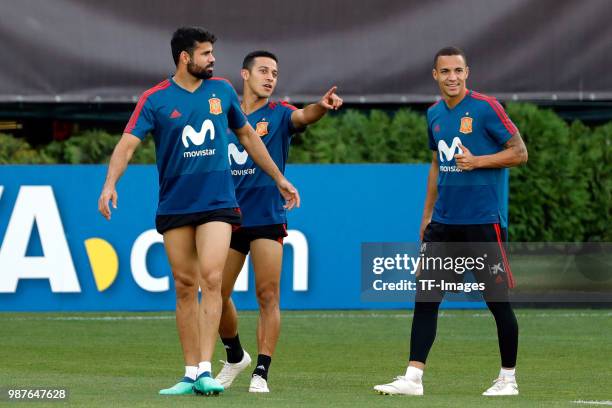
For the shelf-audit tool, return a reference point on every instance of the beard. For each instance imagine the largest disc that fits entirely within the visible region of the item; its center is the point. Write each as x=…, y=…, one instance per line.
x=200, y=72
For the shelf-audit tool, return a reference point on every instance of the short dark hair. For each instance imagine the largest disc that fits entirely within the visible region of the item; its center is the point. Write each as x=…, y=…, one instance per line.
x=448, y=51
x=248, y=61
x=186, y=39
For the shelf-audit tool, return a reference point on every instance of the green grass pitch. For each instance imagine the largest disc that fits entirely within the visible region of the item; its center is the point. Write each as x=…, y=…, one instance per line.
x=324, y=359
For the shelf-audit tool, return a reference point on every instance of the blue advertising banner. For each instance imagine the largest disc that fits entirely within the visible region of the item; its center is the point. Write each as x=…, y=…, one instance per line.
x=59, y=254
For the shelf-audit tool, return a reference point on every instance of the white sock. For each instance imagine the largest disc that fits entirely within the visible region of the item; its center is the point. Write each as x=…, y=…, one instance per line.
x=507, y=372
x=414, y=373
x=203, y=367
x=191, y=372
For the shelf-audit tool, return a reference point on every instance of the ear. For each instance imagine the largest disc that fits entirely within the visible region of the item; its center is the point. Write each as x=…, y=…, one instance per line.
x=434, y=74
x=467, y=72
x=184, y=57
x=245, y=74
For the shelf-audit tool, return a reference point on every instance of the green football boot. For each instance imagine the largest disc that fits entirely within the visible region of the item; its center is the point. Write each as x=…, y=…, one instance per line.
x=206, y=385
x=183, y=387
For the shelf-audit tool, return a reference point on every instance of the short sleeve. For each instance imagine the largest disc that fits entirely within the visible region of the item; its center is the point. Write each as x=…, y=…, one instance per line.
x=142, y=120
x=235, y=117
x=432, y=141
x=498, y=124
x=430, y=138
x=287, y=124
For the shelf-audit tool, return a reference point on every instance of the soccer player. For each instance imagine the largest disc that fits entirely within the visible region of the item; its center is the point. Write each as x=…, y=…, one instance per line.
x=189, y=115
x=464, y=204
x=264, y=224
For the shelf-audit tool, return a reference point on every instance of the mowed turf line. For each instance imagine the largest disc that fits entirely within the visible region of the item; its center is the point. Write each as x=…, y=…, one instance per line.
x=323, y=359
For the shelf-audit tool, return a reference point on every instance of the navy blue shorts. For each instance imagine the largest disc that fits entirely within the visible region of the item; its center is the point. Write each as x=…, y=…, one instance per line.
x=242, y=237
x=167, y=222
x=487, y=241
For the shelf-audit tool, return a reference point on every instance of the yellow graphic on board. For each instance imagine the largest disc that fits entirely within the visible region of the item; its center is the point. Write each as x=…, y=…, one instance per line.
x=104, y=262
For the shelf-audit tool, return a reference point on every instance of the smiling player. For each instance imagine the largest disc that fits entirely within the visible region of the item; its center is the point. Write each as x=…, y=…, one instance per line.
x=473, y=142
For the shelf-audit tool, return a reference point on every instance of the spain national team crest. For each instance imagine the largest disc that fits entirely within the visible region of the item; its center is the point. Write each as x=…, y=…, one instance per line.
x=215, y=106
x=262, y=129
x=466, y=125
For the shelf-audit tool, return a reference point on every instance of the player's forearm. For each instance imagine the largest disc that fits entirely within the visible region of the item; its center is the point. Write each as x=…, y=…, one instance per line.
x=432, y=191
x=118, y=163
x=513, y=156
x=258, y=152
x=312, y=113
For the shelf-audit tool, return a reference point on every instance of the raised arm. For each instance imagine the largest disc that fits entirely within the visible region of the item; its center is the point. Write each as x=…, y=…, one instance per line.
x=118, y=163
x=315, y=111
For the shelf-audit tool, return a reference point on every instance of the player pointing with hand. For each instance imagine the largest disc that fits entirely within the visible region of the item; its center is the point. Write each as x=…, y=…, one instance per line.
x=264, y=223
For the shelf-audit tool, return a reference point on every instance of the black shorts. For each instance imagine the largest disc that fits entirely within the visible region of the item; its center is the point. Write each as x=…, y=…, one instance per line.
x=242, y=237
x=483, y=241
x=165, y=223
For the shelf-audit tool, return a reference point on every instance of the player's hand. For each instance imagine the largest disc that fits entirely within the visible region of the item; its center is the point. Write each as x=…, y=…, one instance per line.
x=289, y=193
x=424, y=223
x=108, y=194
x=466, y=161
x=330, y=100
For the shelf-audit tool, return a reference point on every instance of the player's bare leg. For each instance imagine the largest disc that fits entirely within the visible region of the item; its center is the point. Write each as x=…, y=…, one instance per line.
x=212, y=242
x=182, y=255
x=228, y=327
x=237, y=358
x=267, y=257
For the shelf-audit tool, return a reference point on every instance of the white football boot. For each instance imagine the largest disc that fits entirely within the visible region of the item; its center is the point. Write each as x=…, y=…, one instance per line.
x=258, y=384
x=401, y=386
x=502, y=386
x=230, y=371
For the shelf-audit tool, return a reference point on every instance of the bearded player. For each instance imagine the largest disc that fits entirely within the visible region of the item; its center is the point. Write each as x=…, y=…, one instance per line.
x=188, y=115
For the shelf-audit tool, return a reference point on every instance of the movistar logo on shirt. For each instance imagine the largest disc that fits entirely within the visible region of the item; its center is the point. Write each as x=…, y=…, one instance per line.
x=233, y=153
x=198, y=139
x=448, y=153
x=240, y=158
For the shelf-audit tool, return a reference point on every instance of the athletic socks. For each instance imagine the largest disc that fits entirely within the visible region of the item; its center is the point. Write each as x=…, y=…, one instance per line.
x=507, y=372
x=263, y=365
x=233, y=348
x=204, y=369
x=191, y=372
x=415, y=374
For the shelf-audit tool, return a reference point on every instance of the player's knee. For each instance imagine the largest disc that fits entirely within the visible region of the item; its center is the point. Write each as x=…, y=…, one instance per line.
x=185, y=285
x=503, y=314
x=226, y=307
x=268, y=295
x=426, y=307
x=226, y=293
x=211, y=281
x=500, y=308
x=227, y=288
